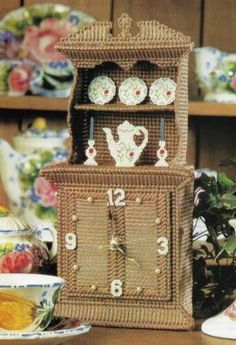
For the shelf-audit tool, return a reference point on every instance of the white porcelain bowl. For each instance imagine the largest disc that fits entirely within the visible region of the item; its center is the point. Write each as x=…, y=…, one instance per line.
x=27, y=301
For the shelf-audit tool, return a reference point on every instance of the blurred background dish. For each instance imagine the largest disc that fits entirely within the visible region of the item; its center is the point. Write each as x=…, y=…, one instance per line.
x=216, y=74
x=30, y=196
x=29, y=35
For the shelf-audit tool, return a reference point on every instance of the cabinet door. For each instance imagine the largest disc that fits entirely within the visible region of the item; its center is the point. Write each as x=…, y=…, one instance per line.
x=148, y=245
x=87, y=271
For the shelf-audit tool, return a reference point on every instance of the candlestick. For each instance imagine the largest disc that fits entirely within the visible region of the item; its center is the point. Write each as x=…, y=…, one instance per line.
x=162, y=152
x=91, y=151
x=162, y=129
x=91, y=130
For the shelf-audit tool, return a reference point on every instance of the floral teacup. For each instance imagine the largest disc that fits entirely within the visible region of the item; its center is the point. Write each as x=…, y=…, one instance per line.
x=27, y=301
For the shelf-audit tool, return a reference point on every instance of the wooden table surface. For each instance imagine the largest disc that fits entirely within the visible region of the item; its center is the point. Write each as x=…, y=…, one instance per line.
x=116, y=336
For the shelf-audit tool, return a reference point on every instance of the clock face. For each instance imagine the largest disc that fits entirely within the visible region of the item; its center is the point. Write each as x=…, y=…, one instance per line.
x=118, y=244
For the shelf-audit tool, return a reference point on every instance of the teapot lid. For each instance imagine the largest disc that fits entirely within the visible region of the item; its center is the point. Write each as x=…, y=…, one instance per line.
x=40, y=137
x=38, y=129
x=12, y=225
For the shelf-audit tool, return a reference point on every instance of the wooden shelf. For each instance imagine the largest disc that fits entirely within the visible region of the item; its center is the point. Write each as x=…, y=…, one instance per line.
x=33, y=103
x=123, y=107
x=121, y=336
x=196, y=108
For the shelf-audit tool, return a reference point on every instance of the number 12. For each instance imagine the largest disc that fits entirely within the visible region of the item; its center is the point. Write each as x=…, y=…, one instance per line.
x=118, y=195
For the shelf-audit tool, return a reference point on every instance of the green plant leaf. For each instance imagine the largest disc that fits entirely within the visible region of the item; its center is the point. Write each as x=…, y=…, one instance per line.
x=224, y=183
x=229, y=246
x=45, y=212
x=229, y=201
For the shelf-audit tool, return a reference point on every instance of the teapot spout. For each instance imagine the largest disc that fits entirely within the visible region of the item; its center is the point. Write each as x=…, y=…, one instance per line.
x=9, y=159
x=109, y=136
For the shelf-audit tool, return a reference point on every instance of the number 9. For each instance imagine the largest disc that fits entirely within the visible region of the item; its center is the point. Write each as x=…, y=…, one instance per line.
x=70, y=241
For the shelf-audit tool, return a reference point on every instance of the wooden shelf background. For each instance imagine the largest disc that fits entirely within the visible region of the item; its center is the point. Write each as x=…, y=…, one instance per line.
x=196, y=108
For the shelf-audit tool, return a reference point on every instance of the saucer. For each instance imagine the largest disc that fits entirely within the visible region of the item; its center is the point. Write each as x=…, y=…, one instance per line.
x=101, y=90
x=132, y=91
x=64, y=331
x=162, y=91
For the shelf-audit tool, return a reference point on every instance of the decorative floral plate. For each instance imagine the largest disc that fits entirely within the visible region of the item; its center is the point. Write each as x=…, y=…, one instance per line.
x=132, y=91
x=29, y=35
x=222, y=325
x=61, y=332
x=101, y=90
x=162, y=91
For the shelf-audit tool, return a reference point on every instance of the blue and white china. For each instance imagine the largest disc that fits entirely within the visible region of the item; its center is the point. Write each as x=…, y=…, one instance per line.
x=216, y=74
x=64, y=332
x=21, y=248
x=30, y=196
x=27, y=301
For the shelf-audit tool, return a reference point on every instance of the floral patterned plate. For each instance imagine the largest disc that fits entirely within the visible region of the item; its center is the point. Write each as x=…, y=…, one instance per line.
x=29, y=34
x=162, y=91
x=16, y=77
x=101, y=90
x=223, y=325
x=132, y=91
x=59, y=332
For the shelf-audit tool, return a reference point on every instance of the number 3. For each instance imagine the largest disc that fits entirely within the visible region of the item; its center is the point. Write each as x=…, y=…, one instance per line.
x=163, y=242
x=116, y=288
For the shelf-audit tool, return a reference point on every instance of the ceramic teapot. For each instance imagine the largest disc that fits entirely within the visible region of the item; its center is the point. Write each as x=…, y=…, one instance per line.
x=216, y=74
x=125, y=151
x=30, y=196
x=21, y=250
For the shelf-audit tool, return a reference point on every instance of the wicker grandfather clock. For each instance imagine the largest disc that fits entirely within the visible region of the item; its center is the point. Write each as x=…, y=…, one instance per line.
x=124, y=232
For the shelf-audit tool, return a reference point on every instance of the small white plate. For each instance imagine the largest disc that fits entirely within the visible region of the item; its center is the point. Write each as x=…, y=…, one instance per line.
x=132, y=91
x=162, y=91
x=53, y=337
x=101, y=90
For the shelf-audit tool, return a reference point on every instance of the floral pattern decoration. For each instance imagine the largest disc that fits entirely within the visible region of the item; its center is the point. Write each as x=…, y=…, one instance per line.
x=29, y=35
x=38, y=193
x=21, y=258
x=18, y=312
x=231, y=311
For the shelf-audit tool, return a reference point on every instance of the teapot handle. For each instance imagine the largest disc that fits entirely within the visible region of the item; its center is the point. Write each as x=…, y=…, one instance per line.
x=145, y=132
x=53, y=232
x=53, y=250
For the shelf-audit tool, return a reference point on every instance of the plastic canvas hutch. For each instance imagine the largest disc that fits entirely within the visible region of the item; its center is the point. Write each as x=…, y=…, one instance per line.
x=140, y=247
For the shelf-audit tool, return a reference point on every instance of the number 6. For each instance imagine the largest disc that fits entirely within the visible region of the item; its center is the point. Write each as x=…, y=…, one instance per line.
x=116, y=288
x=163, y=242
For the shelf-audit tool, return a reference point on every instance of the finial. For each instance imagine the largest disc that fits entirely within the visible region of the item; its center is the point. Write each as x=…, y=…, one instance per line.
x=124, y=24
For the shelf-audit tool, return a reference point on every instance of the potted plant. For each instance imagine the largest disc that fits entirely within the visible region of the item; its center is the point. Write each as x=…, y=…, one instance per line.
x=214, y=271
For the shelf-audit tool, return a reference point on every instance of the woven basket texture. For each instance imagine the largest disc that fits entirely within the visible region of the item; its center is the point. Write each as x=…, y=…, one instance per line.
x=150, y=193
x=164, y=53
x=156, y=290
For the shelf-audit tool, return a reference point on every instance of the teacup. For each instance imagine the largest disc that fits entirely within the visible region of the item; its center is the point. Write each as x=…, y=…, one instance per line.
x=27, y=301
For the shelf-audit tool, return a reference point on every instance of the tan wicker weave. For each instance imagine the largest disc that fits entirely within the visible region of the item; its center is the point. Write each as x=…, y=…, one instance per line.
x=156, y=51
x=166, y=194
x=156, y=286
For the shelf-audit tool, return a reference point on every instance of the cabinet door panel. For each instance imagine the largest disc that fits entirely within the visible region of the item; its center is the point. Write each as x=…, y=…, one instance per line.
x=87, y=263
x=92, y=243
x=148, y=245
